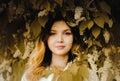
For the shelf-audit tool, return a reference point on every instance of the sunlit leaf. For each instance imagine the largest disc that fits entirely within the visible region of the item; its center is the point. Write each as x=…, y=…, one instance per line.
x=107, y=19
x=90, y=24
x=99, y=21
x=106, y=35
x=98, y=43
x=96, y=31
x=90, y=43
x=110, y=22
x=83, y=26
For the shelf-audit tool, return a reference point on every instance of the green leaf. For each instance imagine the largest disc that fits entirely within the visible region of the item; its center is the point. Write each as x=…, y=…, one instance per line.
x=90, y=24
x=59, y=2
x=20, y=45
x=42, y=20
x=107, y=19
x=47, y=5
x=99, y=21
x=35, y=27
x=83, y=26
x=90, y=43
x=110, y=23
x=97, y=43
x=105, y=7
x=101, y=18
x=96, y=31
x=87, y=24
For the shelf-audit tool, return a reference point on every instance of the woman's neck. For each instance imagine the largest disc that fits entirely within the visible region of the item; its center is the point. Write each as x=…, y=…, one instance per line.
x=59, y=62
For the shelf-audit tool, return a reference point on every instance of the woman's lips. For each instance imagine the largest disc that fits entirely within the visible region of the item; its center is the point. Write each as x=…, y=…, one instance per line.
x=60, y=47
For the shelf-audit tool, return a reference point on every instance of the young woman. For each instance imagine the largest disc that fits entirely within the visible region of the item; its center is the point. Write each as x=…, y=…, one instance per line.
x=55, y=53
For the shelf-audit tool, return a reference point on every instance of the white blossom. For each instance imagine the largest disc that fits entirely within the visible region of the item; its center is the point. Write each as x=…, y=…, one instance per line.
x=5, y=65
x=117, y=72
x=104, y=71
x=78, y=12
x=1, y=77
x=106, y=35
x=43, y=13
x=17, y=53
x=28, y=48
x=93, y=76
x=91, y=59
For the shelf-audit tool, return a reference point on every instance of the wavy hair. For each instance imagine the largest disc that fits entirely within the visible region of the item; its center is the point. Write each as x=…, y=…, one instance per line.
x=41, y=56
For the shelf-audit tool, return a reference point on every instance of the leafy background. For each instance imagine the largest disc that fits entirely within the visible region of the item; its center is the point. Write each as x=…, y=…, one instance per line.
x=98, y=20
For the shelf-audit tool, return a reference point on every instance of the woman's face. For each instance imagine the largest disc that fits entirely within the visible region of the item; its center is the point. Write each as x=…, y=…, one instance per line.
x=60, y=39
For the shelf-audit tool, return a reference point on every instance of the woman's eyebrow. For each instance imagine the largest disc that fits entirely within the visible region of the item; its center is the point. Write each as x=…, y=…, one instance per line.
x=67, y=30
x=63, y=30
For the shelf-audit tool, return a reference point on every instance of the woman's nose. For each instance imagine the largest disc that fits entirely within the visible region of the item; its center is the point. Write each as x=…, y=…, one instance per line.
x=60, y=39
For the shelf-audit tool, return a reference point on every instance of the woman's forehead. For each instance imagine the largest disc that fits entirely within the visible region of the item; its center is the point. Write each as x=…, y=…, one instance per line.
x=60, y=25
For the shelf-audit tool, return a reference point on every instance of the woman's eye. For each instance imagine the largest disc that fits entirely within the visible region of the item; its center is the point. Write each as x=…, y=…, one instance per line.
x=68, y=33
x=52, y=33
